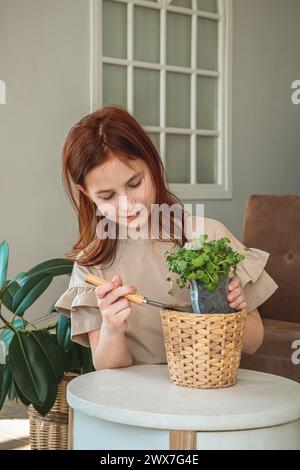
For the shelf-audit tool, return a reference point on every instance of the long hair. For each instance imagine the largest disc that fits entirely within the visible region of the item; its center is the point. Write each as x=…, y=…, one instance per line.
x=90, y=143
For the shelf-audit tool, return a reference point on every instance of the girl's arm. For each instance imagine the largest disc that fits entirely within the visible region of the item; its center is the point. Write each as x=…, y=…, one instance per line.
x=254, y=332
x=254, y=328
x=109, y=350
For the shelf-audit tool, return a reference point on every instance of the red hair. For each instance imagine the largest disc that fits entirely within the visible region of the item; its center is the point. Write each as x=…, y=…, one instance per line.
x=90, y=143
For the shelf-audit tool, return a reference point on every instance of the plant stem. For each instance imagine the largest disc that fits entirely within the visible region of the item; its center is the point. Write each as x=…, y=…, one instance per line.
x=209, y=275
x=7, y=323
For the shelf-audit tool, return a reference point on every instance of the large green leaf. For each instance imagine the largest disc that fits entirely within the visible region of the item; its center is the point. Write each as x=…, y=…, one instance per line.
x=54, y=267
x=30, y=368
x=21, y=278
x=14, y=285
x=46, y=407
x=12, y=392
x=53, y=354
x=63, y=332
x=7, y=297
x=48, y=342
x=4, y=253
x=15, y=394
x=29, y=292
x=5, y=381
x=7, y=334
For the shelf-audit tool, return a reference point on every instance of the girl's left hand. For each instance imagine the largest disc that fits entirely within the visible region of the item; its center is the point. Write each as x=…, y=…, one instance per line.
x=236, y=296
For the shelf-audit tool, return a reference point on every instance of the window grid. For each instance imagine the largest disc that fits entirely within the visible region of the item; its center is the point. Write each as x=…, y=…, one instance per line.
x=192, y=190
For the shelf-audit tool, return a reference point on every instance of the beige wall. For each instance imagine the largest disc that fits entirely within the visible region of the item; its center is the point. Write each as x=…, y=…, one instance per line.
x=44, y=59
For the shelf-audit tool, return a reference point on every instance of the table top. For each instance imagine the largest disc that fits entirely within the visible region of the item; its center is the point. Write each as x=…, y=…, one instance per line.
x=142, y=395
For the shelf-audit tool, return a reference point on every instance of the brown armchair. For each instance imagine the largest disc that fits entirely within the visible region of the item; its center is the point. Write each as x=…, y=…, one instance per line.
x=272, y=223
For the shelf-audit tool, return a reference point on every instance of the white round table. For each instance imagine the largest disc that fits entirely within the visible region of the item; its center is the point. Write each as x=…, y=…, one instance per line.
x=138, y=407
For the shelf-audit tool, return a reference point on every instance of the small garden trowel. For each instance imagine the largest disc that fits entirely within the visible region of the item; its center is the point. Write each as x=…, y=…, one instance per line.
x=138, y=298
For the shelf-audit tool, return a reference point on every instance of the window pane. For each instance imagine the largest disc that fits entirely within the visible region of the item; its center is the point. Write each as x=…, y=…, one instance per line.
x=178, y=100
x=178, y=39
x=207, y=45
x=114, y=20
x=146, y=34
x=155, y=139
x=146, y=96
x=178, y=158
x=207, y=95
x=114, y=85
x=207, y=159
x=182, y=3
x=207, y=5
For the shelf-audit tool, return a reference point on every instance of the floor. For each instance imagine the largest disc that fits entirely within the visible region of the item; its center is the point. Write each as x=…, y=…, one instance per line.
x=14, y=427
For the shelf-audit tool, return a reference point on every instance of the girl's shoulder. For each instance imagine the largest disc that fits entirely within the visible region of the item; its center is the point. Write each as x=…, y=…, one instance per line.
x=205, y=225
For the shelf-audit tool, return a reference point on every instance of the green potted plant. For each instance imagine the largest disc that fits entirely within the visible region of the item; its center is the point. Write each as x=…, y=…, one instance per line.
x=206, y=266
x=37, y=362
x=204, y=351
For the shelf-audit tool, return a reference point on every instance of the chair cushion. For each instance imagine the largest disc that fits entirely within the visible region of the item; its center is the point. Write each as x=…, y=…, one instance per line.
x=272, y=224
x=275, y=354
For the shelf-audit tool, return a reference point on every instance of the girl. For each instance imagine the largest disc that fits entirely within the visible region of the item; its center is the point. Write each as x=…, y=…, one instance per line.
x=106, y=156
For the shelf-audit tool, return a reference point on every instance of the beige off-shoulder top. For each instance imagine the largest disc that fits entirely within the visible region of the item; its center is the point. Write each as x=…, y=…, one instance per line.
x=142, y=263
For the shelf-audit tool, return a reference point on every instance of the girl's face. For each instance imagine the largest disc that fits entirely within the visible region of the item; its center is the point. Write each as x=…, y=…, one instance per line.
x=120, y=191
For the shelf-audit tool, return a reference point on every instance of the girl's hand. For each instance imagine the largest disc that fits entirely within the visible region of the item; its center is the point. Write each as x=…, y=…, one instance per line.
x=236, y=296
x=114, y=311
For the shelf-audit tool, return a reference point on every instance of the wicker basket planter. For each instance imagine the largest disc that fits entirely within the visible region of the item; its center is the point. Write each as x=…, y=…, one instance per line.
x=50, y=432
x=203, y=350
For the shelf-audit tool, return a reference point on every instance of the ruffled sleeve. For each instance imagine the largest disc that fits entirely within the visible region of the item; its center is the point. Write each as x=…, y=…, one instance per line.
x=258, y=285
x=79, y=302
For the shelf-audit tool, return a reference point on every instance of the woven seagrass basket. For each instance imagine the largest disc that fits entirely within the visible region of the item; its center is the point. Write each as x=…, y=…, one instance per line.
x=50, y=432
x=203, y=350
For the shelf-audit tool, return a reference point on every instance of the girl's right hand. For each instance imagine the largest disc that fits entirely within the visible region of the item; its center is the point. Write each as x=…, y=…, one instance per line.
x=114, y=311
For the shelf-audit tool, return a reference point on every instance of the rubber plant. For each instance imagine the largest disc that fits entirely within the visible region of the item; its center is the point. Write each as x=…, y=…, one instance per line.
x=206, y=266
x=34, y=359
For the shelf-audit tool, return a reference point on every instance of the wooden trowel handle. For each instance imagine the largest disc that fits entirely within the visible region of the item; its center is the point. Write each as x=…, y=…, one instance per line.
x=98, y=281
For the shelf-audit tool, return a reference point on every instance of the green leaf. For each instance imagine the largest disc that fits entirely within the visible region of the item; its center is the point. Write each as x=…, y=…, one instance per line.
x=21, y=278
x=86, y=360
x=7, y=297
x=12, y=392
x=30, y=367
x=5, y=381
x=52, y=352
x=4, y=254
x=192, y=277
x=29, y=292
x=198, y=262
x=7, y=334
x=49, y=402
x=18, y=394
x=182, y=265
x=53, y=267
x=213, y=258
x=76, y=358
x=63, y=332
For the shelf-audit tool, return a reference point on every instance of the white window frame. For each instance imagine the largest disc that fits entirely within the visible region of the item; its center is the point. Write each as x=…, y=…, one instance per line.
x=191, y=191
